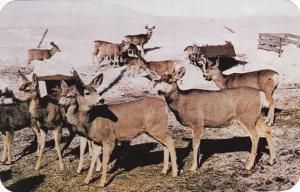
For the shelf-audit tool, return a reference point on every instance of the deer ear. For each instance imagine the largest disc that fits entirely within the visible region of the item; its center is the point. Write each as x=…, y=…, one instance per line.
x=23, y=77
x=217, y=62
x=180, y=73
x=97, y=81
x=153, y=27
x=146, y=27
x=34, y=79
x=64, y=85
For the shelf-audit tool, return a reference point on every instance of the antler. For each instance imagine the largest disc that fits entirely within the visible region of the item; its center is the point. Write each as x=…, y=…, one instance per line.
x=23, y=77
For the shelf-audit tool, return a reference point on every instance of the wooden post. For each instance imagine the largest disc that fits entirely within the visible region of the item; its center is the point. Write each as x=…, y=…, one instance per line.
x=42, y=38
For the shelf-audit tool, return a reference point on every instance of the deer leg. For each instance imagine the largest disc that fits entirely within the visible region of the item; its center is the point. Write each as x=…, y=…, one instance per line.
x=4, y=139
x=272, y=105
x=197, y=133
x=83, y=142
x=267, y=131
x=41, y=150
x=107, y=148
x=254, y=141
x=9, y=141
x=98, y=164
x=168, y=143
x=90, y=148
x=57, y=139
x=93, y=162
x=38, y=138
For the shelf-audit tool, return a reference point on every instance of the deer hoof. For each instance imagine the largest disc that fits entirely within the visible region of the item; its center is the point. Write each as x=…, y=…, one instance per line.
x=248, y=165
x=102, y=184
x=175, y=173
x=87, y=180
x=164, y=171
x=272, y=161
x=193, y=168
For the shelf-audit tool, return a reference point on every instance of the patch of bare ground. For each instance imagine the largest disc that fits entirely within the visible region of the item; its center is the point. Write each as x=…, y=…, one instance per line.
x=138, y=167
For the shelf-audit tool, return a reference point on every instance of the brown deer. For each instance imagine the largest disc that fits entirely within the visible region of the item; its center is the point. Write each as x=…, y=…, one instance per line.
x=45, y=115
x=42, y=54
x=113, y=51
x=160, y=67
x=104, y=124
x=97, y=45
x=14, y=116
x=140, y=39
x=201, y=108
x=263, y=80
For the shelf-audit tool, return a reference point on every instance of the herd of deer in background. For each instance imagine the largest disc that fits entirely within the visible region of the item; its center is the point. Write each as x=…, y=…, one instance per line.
x=81, y=109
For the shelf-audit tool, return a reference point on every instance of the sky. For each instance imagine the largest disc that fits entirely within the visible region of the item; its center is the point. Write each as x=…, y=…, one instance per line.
x=206, y=8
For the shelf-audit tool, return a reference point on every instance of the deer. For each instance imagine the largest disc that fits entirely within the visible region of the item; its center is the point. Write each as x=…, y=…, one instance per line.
x=7, y=96
x=45, y=116
x=264, y=80
x=106, y=123
x=160, y=67
x=14, y=116
x=197, y=109
x=42, y=54
x=140, y=39
x=97, y=45
x=113, y=51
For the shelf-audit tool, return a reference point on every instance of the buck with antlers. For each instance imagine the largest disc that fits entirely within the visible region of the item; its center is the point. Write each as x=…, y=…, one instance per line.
x=200, y=108
x=140, y=39
x=104, y=124
x=263, y=80
x=42, y=54
x=45, y=115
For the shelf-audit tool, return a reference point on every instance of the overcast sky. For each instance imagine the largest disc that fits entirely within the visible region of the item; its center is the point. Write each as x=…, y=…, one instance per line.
x=206, y=8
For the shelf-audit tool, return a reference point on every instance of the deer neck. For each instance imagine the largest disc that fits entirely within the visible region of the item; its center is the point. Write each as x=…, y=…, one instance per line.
x=34, y=108
x=53, y=51
x=172, y=98
x=148, y=34
x=220, y=80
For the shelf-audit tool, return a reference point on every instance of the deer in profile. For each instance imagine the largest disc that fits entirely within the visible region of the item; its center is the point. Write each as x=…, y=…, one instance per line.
x=263, y=80
x=14, y=116
x=97, y=46
x=42, y=54
x=104, y=124
x=160, y=67
x=140, y=39
x=45, y=115
x=201, y=108
x=113, y=51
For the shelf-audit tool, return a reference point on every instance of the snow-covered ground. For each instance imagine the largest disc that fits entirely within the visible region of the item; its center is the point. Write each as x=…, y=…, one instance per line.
x=74, y=26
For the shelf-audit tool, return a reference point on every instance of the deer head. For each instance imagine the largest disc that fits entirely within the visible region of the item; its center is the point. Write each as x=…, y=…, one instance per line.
x=55, y=47
x=213, y=71
x=89, y=97
x=28, y=90
x=149, y=30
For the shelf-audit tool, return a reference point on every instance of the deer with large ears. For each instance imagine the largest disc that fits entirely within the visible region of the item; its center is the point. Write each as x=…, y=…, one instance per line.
x=79, y=123
x=45, y=115
x=263, y=80
x=140, y=39
x=42, y=54
x=104, y=124
x=200, y=108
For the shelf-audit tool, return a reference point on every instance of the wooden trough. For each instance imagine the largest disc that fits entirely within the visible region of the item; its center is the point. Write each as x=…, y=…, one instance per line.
x=211, y=51
x=275, y=41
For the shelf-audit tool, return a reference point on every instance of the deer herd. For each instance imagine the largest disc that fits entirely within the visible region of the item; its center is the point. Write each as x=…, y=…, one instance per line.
x=81, y=109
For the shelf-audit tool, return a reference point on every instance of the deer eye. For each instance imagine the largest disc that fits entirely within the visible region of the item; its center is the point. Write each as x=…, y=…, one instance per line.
x=26, y=90
x=87, y=93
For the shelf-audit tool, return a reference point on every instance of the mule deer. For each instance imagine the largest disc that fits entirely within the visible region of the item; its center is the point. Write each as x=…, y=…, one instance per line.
x=113, y=51
x=13, y=116
x=160, y=67
x=263, y=80
x=97, y=45
x=45, y=115
x=107, y=123
x=200, y=108
x=140, y=39
x=42, y=54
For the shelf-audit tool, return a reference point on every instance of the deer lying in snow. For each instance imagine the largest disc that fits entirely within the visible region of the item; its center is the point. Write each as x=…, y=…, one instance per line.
x=45, y=115
x=13, y=116
x=140, y=39
x=42, y=54
x=263, y=80
x=104, y=124
x=200, y=108
x=160, y=67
